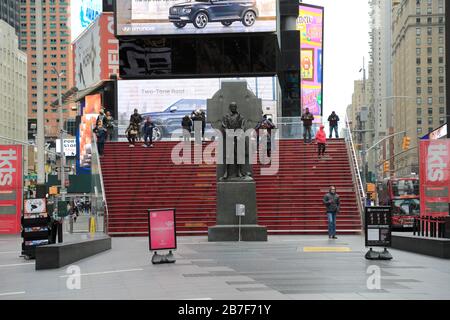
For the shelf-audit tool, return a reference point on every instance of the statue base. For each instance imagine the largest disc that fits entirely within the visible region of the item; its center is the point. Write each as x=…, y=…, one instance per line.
x=229, y=194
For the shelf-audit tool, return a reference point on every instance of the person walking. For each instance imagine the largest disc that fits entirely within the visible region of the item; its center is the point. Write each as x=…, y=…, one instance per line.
x=196, y=116
x=186, y=125
x=333, y=119
x=101, y=117
x=307, y=119
x=101, y=133
x=131, y=133
x=109, y=125
x=148, y=132
x=265, y=124
x=332, y=203
x=137, y=119
x=321, y=140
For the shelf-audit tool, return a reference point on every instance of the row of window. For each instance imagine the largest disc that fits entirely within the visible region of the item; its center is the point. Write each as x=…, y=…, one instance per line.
x=430, y=111
x=429, y=41
x=429, y=100
x=44, y=25
x=429, y=90
x=45, y=88
x=429, y=70
x=430, y=121
x=52, y=79
x=429, y=60
x=53, y=56
x=430, y=129
x=45, y=71
x=53, y=64
x=430, y=20
x=429, y=51
x=429, y=31
x=61, y=2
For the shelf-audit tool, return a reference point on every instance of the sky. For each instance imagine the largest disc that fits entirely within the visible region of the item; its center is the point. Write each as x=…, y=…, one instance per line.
x=346, y=42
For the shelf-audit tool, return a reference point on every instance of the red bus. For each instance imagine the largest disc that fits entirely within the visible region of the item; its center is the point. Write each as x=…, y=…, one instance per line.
x=402, y=195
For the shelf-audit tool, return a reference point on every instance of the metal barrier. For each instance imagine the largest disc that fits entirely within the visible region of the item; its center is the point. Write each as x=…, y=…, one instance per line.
x=433, y=227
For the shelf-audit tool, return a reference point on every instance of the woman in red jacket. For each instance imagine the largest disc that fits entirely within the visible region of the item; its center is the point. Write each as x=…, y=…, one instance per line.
x=321, y=139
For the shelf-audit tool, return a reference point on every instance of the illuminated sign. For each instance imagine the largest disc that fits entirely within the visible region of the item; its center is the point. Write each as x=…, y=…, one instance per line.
x=310, y=26
x=83, y=13
x=162, y=229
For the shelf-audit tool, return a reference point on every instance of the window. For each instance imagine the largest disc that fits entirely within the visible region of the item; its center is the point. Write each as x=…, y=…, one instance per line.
x=430, y=121
x=419, y=101
x=441, y=120
x=430, y=111
x=429, y=20
x=441, y=40
x=417, y=31
x=417, y=20
x=430, y=60
x=441, y=50
x=442, y=110
x=430, y=101
x=417, y=51
x=430, y=31
x=441, y=90
x=418, y=61
x=441, y=100
x=419, y=130
x=441, y=30
x=419, y=121
x=429, y=51
x=430, y=80
x=419, y=112
x=418, y=80
x=441, y=70
x=429, y=70
x=430, y=41
x=441, y=60
x=419, y=90
x=418, y=42
x=430, y=90
x=441, y=79
x=418, y=71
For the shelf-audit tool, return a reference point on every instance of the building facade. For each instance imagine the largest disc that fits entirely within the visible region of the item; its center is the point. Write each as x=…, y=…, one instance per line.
x=9, y=12
x=13, y=89
x=57, y=55
x=418, y=53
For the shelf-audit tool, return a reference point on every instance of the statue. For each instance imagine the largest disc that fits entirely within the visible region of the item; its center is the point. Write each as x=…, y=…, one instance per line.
x=234, y=121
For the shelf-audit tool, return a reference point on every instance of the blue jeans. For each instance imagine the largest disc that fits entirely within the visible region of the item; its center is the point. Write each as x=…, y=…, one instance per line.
x=335, y=128
x=331, y=223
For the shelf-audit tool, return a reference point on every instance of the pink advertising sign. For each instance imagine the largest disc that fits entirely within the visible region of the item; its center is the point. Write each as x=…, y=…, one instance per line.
x=162, y=229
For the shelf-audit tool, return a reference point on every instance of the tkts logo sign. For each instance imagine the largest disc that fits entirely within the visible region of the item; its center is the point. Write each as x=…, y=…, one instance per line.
x=8, y=169
x=434, y=177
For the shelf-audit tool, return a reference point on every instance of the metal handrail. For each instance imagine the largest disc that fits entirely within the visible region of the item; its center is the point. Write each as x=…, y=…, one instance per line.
x=354, y=163
x=105, y=213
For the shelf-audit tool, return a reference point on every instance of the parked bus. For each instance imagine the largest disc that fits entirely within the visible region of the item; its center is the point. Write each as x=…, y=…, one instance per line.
x=402, y=195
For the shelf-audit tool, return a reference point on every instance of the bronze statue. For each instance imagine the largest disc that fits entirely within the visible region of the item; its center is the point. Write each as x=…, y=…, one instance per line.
x=234, y=121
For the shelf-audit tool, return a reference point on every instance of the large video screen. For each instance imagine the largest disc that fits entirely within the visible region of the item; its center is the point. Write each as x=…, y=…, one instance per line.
x=168, y=101
x=310, y=26
x=82, y=14
x=178, y=17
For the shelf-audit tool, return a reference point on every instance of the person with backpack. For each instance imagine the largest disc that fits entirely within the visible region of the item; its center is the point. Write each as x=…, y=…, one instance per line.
x=186, y=125
x=265, y=124
x=132, y=132
x=321, y=140
x=333, y=119
x=332, y=203
x=307, y=119
x=148, y=132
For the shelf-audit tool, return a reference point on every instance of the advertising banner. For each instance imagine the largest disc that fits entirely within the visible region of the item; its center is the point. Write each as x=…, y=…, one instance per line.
x=11, y=186
x=434, y=177
x=82, y=13
x=178, y=17
x=96, y=53
x=70, y=147
x=162, y=229
x=378, y=226
x=310, y=26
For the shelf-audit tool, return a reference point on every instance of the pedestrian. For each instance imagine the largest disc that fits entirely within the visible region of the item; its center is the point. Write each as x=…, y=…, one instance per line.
x=265, y=124
x=109, y=125
x=199, y=117
x=186, y=125
x=332, y=203
x=307, y=119
x=137, y=119
x=321, y=140
x=101, y=117
x=148, y=132
x=131, y=133
x=333, y=119
x=101, y=133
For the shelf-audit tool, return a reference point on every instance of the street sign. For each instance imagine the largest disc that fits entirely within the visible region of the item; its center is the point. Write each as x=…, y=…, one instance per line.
x=378, y=226
x=63, y=191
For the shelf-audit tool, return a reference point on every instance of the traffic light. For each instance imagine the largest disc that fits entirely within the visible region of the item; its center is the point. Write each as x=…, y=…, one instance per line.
x=406, y=143
x=386, y=166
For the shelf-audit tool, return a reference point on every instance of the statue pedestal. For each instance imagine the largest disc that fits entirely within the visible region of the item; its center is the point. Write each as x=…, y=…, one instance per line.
x=229, y=194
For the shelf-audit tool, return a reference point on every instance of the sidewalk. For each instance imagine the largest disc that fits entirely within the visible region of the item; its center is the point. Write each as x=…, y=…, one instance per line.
x=286, y=267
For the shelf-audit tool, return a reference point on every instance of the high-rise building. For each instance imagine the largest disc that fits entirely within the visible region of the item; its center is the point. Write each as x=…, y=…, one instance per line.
x=380, y=71
x=13, y=89
x=418, y=53
x=57, y=55
x=9, y=12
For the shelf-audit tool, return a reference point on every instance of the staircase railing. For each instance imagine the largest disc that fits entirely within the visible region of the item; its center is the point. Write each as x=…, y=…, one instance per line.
x=98, y=183
x=351, y=151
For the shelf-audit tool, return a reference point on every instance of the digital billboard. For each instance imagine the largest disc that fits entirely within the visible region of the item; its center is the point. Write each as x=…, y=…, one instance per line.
x=178, y=17
x=310, y=25
x=83, y=12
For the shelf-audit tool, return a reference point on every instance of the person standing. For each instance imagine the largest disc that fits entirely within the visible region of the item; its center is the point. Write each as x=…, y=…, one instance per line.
x=333, y=119
x=321, y=140
x=196, y=117
x=102, y=133
x=109, y=125
x=332, y=203
x=137, y=119
x=307, y=119
x=186, y=125
x=148, y=132
x=101, y=117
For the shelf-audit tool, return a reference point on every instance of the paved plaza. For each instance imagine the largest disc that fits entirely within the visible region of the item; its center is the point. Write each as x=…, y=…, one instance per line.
x=286, y=267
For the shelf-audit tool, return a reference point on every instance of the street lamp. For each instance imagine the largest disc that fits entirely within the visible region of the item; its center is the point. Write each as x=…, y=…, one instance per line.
x=61, y=136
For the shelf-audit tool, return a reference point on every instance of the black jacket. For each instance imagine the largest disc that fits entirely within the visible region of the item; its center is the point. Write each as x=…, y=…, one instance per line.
x=136, y=118
x=186, y=123
x=332, y=202
x=307, y=119
x=333, y=119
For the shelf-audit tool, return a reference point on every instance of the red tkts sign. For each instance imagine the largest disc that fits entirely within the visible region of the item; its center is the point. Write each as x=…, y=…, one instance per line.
x=434, y=177
x=11, y=186
x=162, y=232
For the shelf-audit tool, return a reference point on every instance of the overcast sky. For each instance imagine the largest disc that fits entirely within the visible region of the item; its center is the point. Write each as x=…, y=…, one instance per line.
x=346, y=42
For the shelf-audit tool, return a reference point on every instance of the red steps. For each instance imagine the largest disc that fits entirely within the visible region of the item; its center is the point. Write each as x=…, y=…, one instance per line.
x=138, y=178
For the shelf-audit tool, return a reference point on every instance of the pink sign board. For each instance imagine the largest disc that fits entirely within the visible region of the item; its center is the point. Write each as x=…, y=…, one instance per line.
x=162, y=232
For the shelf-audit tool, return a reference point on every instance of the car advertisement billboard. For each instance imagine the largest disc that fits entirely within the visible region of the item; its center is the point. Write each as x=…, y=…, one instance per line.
x=96, y=53
x=82, y=13
x=180, y=17
x=434, y=177
x=90, y=111
x=168, y=101
x=310, y=25
x=11, y=187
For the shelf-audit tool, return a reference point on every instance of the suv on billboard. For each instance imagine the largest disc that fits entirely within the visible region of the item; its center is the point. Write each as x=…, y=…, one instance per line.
x=168, y=121
x=201, y=12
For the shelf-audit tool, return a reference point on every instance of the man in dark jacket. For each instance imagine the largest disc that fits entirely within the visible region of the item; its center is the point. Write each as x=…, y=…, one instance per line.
x=307, y=119
x=333, y=119
x=137, y=119
x=332, y=202
x=186, y=124
x=102, y=133
x=148, y=132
